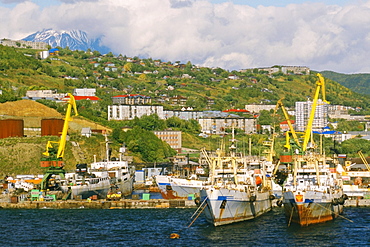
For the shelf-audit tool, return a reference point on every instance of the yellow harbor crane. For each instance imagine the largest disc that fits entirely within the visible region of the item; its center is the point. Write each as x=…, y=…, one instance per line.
x=54, y=157
x=320, y=86
x=280, y=104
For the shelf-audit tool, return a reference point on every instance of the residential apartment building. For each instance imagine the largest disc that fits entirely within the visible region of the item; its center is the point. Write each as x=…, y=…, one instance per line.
x=24, y=44
x=44, y=94
x=295, y=70
x=258, y=108
x=303, y=111
x=173, y=138
x=131, y=99
x=178, y=100
x=185, y=115
x=84, y=92
x=129, y=112
x=218, y=126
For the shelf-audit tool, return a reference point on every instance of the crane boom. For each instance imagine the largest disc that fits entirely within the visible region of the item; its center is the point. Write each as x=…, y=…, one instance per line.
x=320, y=85
x=63, y=138
x=286, y=115
x=54, y=159
x=62, y=142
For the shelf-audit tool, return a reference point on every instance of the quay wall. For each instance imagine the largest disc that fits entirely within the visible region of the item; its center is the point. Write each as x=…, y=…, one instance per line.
x=99, y=204
x=128, y=204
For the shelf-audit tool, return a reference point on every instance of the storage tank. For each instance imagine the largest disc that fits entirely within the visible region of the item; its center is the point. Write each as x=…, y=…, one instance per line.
x=52, y=127
x=11, y=128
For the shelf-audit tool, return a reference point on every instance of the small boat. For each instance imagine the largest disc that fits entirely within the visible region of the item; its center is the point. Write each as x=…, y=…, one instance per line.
x=178, y=188
x=313, y=193
x=238, y=189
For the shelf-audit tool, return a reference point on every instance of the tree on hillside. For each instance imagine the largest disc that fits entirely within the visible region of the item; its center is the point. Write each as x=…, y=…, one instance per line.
x=145, y=144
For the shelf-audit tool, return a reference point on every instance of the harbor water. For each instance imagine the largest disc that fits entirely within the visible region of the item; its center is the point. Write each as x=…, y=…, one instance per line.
x=153, y=227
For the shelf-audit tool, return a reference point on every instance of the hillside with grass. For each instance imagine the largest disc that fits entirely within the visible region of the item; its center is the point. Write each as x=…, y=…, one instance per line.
x=22, y=70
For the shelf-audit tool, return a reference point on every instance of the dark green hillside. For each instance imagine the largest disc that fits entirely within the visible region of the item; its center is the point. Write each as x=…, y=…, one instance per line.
x=359, y=83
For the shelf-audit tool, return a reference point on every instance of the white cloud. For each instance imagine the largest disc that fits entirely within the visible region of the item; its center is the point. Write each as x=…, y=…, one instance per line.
x=323, y=37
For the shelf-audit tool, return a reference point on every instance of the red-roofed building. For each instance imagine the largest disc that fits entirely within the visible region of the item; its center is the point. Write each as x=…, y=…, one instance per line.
x=131, y=99
x=284, y=125
x=77, y=98
x=237, y=110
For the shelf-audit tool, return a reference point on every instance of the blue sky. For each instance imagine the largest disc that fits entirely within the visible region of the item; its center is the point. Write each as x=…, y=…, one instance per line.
x=238, y=34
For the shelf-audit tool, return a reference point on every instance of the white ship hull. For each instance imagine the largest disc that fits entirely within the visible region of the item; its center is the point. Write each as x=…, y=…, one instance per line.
x=226, y=206
x=88, y=187
x=126, y=186
x=177, y=188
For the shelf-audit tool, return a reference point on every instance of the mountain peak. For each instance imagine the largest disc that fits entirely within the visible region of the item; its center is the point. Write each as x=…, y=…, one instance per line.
x=74, y=39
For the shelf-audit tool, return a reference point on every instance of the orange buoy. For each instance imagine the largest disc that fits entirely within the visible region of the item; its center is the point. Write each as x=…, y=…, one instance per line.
x=174, y=235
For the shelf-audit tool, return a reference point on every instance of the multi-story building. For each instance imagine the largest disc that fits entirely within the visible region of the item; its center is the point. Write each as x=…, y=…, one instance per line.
x=218, y=126
x=131, y=99
x=258, y=108
x=185, y=115
x=129, y=112
x=84, y=92
x=303, y=111
x=173, y=138
x=178, y=100
x=44, y=94
x=295, y=70
x=24, y=44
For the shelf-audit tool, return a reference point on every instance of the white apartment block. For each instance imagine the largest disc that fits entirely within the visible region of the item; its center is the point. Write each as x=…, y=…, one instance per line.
x=43, y=94
x=303, y=111
x=84, y=92
x=129, y=112
x=295, y=70
x=185, y=115
x=24, y=44
x=172, y=137
x=219, y=125
x=258, y=108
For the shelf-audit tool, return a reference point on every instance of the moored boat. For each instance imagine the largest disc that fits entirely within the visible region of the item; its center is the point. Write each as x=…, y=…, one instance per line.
x=313, y=193
x=82, y=186
x=178, y=188
x=238, y=189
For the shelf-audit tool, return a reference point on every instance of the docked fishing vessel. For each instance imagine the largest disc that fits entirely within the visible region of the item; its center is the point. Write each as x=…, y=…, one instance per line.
x=100, y=178
x=82, y=184
x=120, y=174
x=313, y=192
x=238, y=189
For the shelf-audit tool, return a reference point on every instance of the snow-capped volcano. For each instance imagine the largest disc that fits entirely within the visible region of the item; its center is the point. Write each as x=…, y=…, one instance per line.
x=74, y=39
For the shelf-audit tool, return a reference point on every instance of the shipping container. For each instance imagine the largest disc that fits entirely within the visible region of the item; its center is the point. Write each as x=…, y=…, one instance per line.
x=52, y=127
x=11, y=128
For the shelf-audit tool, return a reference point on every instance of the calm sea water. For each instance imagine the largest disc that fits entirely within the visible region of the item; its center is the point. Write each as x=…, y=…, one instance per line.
x=152, y=227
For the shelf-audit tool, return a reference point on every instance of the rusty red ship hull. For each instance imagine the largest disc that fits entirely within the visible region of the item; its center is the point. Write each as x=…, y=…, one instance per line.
x=311, y=211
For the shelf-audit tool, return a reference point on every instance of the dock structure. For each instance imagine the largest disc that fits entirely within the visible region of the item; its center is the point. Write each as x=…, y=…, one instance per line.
x=127, y=204
x=98, y=204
